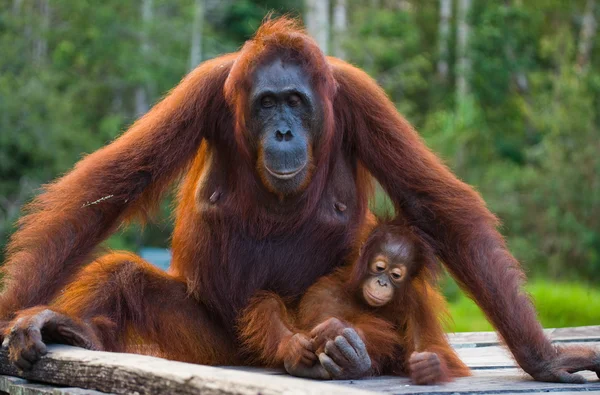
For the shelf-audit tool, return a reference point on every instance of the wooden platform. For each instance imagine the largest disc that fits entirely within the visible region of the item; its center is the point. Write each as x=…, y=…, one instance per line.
x=70, y=370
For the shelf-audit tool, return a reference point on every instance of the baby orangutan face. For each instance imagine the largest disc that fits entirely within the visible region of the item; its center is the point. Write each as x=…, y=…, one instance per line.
x=388, y=271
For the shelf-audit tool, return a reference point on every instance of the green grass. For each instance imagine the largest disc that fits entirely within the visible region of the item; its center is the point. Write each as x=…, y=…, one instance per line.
x=558, y=305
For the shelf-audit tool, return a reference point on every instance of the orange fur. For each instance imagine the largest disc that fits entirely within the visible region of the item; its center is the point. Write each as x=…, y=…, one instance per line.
x=247, y=239
x=144, y=305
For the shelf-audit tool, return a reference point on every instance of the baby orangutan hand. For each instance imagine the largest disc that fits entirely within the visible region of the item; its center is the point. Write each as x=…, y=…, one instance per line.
x=427, y=368
x=299, y=358
x=327, y=330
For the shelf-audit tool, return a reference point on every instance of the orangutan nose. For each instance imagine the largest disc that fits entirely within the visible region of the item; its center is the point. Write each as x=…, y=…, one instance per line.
x=285, y=135
x=382, y=283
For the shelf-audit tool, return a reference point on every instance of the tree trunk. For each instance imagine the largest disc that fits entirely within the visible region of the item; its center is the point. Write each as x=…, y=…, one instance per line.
x=16, y=9
x=141, y=93
x=197, y=27
x=586, y=36
x=40, y=43
x=340, y=27
x=403, y=5
x=462, y=46
x=317, y=22
x=444, y=38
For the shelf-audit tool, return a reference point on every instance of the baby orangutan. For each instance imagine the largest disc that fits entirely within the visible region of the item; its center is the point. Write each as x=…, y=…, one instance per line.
x=379, y=316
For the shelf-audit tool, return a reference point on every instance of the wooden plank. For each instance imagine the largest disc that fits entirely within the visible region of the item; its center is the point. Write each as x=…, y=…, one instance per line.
x=486, y=357
x=253, y=369
x=502, y=381
x=581, y=392
x=18, y=386
x=589, y=332
x=494, y=372
x=557, y=335
x=496, y=357
x=130, y=373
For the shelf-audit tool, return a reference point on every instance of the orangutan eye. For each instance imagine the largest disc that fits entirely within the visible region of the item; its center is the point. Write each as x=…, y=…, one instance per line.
x=294, y=100
x=267, y=102
x=379, y=266
x=397, y=274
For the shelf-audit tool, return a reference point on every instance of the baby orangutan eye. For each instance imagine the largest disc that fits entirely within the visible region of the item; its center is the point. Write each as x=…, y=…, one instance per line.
x=379, y=266
x=398, y=274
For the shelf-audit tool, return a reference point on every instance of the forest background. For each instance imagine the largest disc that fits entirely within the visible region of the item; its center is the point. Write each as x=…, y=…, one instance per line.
x=506, y=92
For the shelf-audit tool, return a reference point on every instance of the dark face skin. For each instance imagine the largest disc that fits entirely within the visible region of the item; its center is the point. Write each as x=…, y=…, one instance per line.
x=388, y=272
x=286, y=123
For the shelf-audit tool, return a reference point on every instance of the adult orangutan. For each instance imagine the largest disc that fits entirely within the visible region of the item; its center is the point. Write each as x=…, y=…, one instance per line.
x=277, y=144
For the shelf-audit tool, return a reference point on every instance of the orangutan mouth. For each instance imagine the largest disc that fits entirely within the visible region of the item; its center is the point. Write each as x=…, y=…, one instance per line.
x=285, y=175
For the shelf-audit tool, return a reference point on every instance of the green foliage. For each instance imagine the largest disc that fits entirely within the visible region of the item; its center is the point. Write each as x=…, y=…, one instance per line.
x=244, y=16
x=526, y=135
x=558, y=305
x=567, y=225
x=388, y=44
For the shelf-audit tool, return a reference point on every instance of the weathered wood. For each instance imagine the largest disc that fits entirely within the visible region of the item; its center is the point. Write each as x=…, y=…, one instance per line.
x=18, y=386
x=554, y=392
x=497, y=357
x=130, y=373
x=557, y=335
x=493, y=368
x=494, y=357
x=497, y=381
x=583, y=332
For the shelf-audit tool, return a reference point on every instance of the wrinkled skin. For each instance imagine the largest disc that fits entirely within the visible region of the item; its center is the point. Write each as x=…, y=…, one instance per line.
x=300, y=359
x=285, y=123
x=334, y=351
x=346, y=356
x=570, y=359
x=341, y=350
x=327, y=330
x=27, y=338
x=426, y=368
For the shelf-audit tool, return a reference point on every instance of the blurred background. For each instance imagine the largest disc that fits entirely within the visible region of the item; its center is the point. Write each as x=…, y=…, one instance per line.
x=506, y=92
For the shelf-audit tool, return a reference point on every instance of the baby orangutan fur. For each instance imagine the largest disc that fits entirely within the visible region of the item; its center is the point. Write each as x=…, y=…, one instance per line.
x=382, y=315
